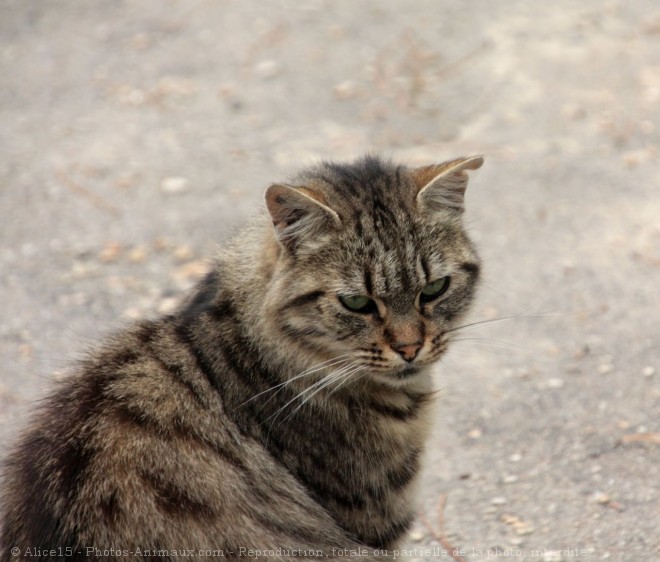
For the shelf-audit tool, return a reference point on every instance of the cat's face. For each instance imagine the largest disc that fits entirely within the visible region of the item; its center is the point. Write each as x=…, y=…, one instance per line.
x=374, y=268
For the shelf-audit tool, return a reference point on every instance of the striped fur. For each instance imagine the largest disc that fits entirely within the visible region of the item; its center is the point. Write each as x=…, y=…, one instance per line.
x=263, y=414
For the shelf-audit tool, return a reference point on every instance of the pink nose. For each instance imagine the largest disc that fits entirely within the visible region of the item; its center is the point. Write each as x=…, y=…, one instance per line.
x=407, y=350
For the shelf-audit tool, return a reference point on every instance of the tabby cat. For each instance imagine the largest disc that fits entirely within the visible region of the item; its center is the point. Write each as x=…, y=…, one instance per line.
x=281, y=411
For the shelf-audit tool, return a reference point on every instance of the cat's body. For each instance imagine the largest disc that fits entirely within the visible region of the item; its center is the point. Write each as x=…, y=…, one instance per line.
x=279, y=409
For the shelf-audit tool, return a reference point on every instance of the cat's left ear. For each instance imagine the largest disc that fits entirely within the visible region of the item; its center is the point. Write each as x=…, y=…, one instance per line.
x=442, y=186
x=298, y=214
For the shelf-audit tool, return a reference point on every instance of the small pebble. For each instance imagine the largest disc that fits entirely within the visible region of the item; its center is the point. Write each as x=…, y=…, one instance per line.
x=131, y=96
x=631, y=159
x=82, y=270
x=499, y=500
x=605, y=368
x=110, y=252
x=175, y=185
x=190, y=272
x=555, y=383
x=268, y=69
x=137, y=254
x=182, y=252
x=510, y=479
x=648, y=371
x=524, y=529
x=167, y=305
x=345, y=90
x=516, y=457
x=582, y=352
x=516, y=541
x=59, y=375
x=519, y=526
x=132, y=312
x=601, y=498
x=475, y=433
x=509, y=519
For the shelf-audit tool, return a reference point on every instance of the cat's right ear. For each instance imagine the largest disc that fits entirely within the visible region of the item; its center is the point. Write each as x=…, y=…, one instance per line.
x=298, y=214
x=442, y=186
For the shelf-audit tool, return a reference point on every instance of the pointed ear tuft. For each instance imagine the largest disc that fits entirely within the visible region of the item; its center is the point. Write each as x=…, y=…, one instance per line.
x=298, y=213
x=442, y=186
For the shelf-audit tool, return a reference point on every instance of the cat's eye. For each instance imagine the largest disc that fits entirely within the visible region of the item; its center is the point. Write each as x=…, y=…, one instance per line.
x=358, y=303
x=434, y=289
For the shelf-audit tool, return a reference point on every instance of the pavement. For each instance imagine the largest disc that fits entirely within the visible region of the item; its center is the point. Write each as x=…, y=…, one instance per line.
x=135, y=137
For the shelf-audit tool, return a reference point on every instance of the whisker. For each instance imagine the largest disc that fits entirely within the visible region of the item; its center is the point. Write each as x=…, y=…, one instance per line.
x=342, y=373
x=317, y=385
x=501, y=319
x=336, y=376
x=474, y=352
x=311, y=370
x=490, y=288
x=488, y=341
x=347, y=378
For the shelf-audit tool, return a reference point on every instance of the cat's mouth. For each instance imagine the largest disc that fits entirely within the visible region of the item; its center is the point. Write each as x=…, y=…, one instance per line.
x=407, y=372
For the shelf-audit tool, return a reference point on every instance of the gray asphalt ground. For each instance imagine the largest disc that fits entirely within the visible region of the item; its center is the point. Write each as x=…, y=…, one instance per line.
x=136, y=136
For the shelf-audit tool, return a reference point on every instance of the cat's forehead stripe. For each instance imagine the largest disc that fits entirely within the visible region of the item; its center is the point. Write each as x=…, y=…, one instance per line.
x=368, y=279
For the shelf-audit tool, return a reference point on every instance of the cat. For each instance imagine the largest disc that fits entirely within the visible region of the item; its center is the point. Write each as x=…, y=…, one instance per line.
x=282, y=410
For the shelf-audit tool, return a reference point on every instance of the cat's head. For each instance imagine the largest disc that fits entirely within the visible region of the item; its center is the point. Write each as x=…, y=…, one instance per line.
x=374, y=267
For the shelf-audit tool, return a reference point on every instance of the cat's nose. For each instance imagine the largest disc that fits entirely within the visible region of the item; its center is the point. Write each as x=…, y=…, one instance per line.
x=407, y=350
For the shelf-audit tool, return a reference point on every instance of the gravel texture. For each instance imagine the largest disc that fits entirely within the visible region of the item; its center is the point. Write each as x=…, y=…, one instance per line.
x=136, y=136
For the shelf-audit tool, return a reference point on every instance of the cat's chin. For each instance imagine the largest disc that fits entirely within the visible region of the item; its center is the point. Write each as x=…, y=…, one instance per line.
x=410, y=375
x=407, y=372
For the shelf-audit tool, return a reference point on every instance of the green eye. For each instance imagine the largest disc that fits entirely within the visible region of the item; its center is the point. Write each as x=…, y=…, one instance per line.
x=434, y=289
x=358, y=303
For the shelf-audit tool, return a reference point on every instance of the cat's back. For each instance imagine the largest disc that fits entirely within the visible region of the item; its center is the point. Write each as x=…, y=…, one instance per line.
x=91, y=452
x=122, y=438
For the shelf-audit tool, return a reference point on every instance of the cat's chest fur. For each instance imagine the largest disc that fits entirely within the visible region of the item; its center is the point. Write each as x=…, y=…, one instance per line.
x=357, y=454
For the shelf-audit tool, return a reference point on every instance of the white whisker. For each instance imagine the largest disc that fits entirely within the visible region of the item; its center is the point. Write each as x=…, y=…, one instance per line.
x=318, y=384
x=501, y=319
x=311, y=370
x=488, y=342
x=341, y=375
